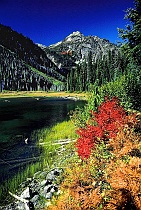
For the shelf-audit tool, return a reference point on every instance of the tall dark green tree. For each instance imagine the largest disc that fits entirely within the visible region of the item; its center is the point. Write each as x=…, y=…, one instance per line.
x=89, y=69
x=84, y=74
x=132, y=48
x=132, y=34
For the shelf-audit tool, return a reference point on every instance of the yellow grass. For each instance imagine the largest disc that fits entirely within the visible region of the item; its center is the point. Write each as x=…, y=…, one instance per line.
x=63, y=130
x=10, y=94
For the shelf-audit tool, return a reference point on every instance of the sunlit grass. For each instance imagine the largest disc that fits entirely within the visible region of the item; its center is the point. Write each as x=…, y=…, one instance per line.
x=50, y=157
x=51, y=140
x=64, y=130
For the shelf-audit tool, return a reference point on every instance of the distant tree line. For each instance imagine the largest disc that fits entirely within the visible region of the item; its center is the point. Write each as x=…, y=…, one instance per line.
x=104, y=69
x=119, y=70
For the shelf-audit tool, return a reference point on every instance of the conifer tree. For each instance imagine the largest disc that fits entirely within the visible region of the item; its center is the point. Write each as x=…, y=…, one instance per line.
x=89, y=68
x=132, y=48
x=70, y=81
x=80, y=77
x=84, y=75
x=132, y=34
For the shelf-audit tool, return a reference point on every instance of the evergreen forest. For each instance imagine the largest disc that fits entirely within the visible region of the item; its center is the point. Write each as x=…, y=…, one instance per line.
x=99, y=148
x=117, y=73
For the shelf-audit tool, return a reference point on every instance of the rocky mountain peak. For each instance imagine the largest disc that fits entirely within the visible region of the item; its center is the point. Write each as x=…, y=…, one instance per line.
x=75, y=48
x=77, y=35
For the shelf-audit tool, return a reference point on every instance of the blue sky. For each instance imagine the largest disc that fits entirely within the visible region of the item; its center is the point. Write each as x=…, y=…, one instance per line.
x=50, y=21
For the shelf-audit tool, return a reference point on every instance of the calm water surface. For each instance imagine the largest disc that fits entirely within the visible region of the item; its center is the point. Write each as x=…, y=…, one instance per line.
x=19, y=117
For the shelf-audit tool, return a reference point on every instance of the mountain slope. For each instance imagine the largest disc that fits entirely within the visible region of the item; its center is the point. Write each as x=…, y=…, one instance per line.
x=28, y=66
x=19, y=53
x=75, y=49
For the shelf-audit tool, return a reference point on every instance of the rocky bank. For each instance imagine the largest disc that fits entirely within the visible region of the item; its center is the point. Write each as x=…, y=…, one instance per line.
x=35, y=193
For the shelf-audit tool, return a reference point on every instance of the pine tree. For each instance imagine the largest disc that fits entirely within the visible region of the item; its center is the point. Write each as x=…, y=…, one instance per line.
x=70, y=81
x=89, y=69
x=132, y=48
x=84, y=75
x=132, y=34
x=79, y=79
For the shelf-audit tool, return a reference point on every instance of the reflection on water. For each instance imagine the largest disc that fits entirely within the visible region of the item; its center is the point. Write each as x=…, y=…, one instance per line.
x=18, y=118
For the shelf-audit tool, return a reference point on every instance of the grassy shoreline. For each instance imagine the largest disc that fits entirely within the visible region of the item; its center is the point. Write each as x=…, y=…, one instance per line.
x=45, y=137
x=15, y=94
x=50, y=139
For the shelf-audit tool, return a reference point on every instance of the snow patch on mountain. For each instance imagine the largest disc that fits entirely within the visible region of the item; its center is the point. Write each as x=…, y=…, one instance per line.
x=55, y=45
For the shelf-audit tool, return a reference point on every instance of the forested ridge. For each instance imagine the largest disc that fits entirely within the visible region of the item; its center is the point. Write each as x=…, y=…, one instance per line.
x=104, y=69
x=106, y=173
x=19, y=53
x=17, y=75
x=117, y=73
x=77, y=63
x=50, y=62
x=102, y=164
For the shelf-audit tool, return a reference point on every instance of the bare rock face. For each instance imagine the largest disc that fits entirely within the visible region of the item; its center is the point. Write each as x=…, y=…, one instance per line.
x=28, y=66
x=76, y=47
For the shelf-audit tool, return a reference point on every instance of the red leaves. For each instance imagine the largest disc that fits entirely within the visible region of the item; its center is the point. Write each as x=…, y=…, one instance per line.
x=109, y=117
x=84, y=147
x=88, y=137
x=109, y=112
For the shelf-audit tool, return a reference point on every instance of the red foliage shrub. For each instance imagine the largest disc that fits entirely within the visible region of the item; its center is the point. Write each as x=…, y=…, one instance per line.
x=108, y=118
x=112, y=176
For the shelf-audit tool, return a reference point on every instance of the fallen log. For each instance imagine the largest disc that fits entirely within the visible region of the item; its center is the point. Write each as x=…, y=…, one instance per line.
x=61, y=141
x=25, y=201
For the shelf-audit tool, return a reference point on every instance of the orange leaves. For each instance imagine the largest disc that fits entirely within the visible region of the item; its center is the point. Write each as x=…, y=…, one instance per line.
x=77, y=190
x=135, y=163
x=121, y=199
x=110, y=176
x=124, y=171
x=125, y=178
x=124, y=143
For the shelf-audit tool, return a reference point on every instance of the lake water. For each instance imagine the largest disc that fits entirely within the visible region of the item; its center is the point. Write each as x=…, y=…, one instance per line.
x=19, y=117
